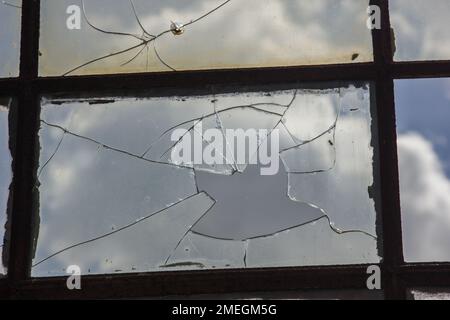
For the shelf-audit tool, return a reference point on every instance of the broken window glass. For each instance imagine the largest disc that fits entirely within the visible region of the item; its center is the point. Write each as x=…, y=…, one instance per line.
x=262, y=177
x=421, y=29
x=423, y=110
x=10, y=13
x=5, y=179
x=103, y=36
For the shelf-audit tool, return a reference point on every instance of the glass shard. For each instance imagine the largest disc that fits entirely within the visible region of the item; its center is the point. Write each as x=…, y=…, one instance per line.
x=115, y=196
x=279, y=250
x=423, y=110
x=146, y=36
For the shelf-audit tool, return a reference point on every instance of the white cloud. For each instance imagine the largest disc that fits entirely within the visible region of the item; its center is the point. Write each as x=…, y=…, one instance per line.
x=425, y=191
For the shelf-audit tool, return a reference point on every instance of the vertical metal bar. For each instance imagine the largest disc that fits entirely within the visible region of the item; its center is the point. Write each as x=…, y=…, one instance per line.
x=389, y=177
x=25, y=155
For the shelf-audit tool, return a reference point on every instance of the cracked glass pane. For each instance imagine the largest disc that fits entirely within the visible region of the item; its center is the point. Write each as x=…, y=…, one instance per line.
x=421, y=29
x=10, y=14
x=232, y=180
x=5, y=179
x=423, y=110
x=104, y=36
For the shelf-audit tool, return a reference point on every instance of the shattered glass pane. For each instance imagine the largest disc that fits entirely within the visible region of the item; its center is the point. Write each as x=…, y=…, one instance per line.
x=423, y=110
x=430, y=294
x=163, y=184
x=10, y=13
x=104, y=36
x=5, y=178
x=421, y=29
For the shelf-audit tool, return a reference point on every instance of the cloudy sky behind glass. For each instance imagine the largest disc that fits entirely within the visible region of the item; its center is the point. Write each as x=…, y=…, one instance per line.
x=423, y=113
x=87, y=191
x=245, y=33
x=421, y=29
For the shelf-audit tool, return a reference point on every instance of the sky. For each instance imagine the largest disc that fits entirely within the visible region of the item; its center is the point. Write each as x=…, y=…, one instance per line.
x=245, y=33
x=423, y=111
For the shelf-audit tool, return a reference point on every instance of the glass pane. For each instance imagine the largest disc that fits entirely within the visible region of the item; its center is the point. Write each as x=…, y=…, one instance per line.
x=423, y=110
x=10, y=14
x=259, y=178
x=139, y=35
x=430, y=294
x=5, y=179
x=421, y=29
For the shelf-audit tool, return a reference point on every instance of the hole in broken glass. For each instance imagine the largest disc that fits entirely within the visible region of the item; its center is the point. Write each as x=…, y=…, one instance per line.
x=145, y=39
x=208, y=216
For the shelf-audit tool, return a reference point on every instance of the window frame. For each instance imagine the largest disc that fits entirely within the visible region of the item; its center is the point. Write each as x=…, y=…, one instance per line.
x=397, y=275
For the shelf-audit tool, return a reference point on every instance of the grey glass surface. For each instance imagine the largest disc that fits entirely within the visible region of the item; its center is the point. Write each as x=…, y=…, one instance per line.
x=423, y=113
x=10, y=21
x=5, y=178
x=112, y=200
x=421, y=29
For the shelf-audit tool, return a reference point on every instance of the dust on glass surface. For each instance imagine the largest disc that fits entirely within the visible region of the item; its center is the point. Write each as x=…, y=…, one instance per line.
x=10, y=13
x=5, y=178
x=144, y=36
x=422, y=112
x=112, y=200
x=421, y=29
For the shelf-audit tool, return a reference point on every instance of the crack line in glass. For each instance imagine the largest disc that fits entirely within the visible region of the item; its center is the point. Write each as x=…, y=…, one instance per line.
x=190, y=229
x=145, y=39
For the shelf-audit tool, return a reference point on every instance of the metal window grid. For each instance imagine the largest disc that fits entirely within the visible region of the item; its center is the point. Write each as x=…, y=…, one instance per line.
x=397, y=275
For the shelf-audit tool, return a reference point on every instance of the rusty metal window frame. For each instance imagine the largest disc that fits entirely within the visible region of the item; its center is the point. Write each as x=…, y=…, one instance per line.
x=397, y=275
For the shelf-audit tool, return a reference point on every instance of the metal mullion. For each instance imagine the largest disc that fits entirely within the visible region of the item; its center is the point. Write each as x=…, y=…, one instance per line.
x=250, y=76
x=430, y=274
x=4, y=290
x=189, y=79
x=421, y=69
x=389, y=182
x=200, y=282
x=25, y=157
x=9, y=87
